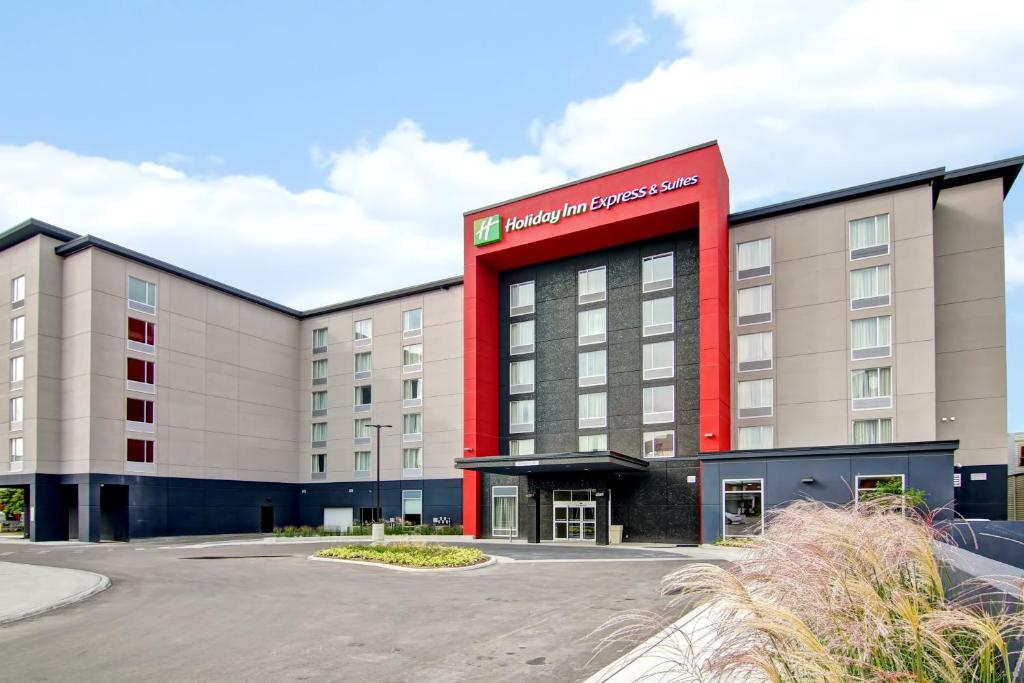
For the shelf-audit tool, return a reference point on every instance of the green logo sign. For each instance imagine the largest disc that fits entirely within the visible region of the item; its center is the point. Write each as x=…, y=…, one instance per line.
x=487, y=230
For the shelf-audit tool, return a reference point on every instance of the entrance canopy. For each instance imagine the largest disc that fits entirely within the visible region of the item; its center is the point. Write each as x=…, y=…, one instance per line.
x=550, y=463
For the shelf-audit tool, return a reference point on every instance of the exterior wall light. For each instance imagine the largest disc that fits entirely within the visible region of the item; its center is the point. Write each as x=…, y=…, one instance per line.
x=807, y=480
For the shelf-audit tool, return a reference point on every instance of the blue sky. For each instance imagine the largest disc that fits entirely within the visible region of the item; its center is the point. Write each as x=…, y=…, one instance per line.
x=320, y=151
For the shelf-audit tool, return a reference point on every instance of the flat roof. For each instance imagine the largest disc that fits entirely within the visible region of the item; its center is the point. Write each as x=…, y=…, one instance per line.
x=550, y=463
x=922, y=447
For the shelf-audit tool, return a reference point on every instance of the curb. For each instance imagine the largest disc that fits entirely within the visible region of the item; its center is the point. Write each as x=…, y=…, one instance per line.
x=102, y=584
x=415, y=570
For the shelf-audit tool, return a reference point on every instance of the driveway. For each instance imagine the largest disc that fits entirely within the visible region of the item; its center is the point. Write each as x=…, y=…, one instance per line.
x=259, y=612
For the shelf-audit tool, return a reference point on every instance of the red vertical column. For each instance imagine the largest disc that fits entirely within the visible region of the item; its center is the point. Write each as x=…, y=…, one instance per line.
x=715, y=432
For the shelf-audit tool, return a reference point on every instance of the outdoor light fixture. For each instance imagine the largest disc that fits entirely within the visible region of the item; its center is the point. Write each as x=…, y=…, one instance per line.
x=709, y=435
x=807, y=480
x=378, y=427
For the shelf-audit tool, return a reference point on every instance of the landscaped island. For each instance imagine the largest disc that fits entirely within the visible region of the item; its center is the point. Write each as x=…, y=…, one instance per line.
x=422, y=555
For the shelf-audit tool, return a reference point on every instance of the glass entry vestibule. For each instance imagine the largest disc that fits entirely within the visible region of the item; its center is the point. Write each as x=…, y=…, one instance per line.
x=575, y=515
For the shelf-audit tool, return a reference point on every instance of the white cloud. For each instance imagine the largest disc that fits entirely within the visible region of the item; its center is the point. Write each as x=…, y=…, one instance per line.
x=629, y=37
x=1015, y=256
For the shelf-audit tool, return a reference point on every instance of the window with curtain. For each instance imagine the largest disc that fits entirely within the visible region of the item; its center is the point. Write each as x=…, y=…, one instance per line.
x=520, y=447
x=872, y=431
x=755, y=397
x=320, y=369
x=521, y=416
x=319, y=431
x=320, y=338
x=18, y=329
x=658, y=316
x=657, y=272
x=661, y=444
x=754, y=258
x=18, y=409
x=754, y=351
x=593, y=368
x=361, y=461
x=751, y=438
x=17, y=369
x=521, y=337
x=412, y=389
x=363, y=362
x=588, y=443
x=18, y=449
x=521, y=298
x=412, y=322
x=869, y=232
x=592, y=325
x=319, y=400
x=871, y=383
x=505, y=511
x=412, y=424
x=412, y=355
x=521, y=376
x=593, y=410
x=870, y=283
x=318, y=463
x=362, y=330
x=659, y=360
x=18, y=289
x=869, y=333
x=412, y=458
x=659, y=404
x=364, y=395
x=362, y=428
x=754, y=301
x=592, y=284
x=412, y=506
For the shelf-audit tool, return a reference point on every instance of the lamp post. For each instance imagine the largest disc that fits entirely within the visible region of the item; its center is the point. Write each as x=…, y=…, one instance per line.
x=377, y=513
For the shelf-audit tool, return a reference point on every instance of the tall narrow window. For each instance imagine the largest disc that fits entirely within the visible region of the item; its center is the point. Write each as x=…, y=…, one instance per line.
x=871, y=337
x=520, y=376
x=17, y=413
x=141, y=295
x=18, y=330
x=412, y=506
x=363, y=399
x=141, y=335
x=520, y=447
x=754, y=351
x=362, y=332
x=412, y=358
x=520, y=416
x=592, y=326
x=869, y=287
x=659, y=404
x=871, y=388
x=412, y=323
x=363, y=365
x=521, y=298
x=657, y=272
x=318, y=463
x=141, y=375
x=659, y=360
x=141, y=451
x=754, y=305
x=320, y=340
x=588, y=443
x=661, y=444
x=412, y=427
x=593, y=410
x=750, y=438
x=872, y=431
x=593, y=368
x=362, y=431
x=505, y=511
x=319, y=403
x=755, y=397
x=869, y=236
x=754, y=259
x=412, y=462
x=658, y=316
x=320, y=371
x=521, y=337
x=139, y=415
x=361, y=463
x=742, y=507
x=592, y=285
x=318, y=434
x=18, y=291
x=17, y=370
x=412, y=392
x=17, y=450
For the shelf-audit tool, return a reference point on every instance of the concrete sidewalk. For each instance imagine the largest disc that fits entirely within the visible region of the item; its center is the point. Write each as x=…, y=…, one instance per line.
x=27, y=590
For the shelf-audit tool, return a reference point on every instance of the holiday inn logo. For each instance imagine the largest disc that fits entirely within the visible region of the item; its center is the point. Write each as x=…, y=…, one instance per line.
x=487, y=230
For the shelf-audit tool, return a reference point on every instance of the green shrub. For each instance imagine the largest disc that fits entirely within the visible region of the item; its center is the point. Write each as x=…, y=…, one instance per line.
x=305, y=531
x=408, y=554
x=364, y=530
x=734, y=542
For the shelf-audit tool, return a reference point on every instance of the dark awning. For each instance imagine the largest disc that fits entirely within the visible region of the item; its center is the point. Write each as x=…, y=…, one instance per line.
x=547, y=463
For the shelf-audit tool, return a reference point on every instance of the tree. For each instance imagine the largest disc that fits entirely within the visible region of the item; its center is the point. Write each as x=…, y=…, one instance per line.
x=12, y=501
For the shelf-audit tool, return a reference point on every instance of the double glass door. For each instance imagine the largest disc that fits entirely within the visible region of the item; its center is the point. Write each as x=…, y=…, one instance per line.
x=575, y=515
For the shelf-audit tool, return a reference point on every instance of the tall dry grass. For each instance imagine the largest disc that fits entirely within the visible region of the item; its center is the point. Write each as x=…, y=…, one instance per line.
x=838, y=594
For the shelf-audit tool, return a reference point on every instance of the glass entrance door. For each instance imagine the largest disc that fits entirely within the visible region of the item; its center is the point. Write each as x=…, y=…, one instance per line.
x=575, y=515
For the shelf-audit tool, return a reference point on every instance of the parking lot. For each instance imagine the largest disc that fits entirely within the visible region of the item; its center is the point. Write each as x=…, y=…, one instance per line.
x=186, y=611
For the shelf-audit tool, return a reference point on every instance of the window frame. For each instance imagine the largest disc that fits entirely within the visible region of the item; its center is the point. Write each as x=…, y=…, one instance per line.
x=760, y=364
x=592, y=421
x=418, y=400
x=760, y=318
x=522, y=309
x=148, y=411
x=142, y=306
x=143, y=387
x=595, y=296
x=149, y=332
x=16, y=362
x=876, y=301
x=658, y=372
x=418, y=498
x=760, y=492
x=591, y=380
x=600, y=435
x=18, y=457
x=880, y=402
x=412, y=332
x=412, y=472
x=756, y=271
x=650, y=437
x=18, y=330
x=313, y=410
x=316, y=380
x=853, y=429
x=16, y=425
x=362, y=473
x=319, y=348
x=522, y=349
x=358, y=407
x=412, y=437
x=759, y=410
x=647, y=286
x=594, y=337
x=358, y=374
x=533, y=446
x=507, y=492
x=315, y=442
x=409, y=368
x=659, y=416
x=656, y=329
x=148, y=462
x=522, y=427
x=857, y=488
x=771, y=445
x=872, y=352
x=872, y=250
x=18, y=285
x=367, y=438
x=318, y=464
x=521, y=387
x=367, y=338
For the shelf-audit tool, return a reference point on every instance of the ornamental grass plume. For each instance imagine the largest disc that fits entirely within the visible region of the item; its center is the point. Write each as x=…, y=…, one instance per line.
x=845, y=594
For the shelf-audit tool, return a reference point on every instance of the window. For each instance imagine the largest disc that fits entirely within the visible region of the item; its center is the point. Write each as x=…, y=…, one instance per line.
x=140, y=451
x=659, y=360
x=320, y=340
x=364, y=399
x=412, y=462
x=320, y=371
x=362, y=432
x=139, y=414
x=872, y=431
x=521, y=337
x=742, y=507
x=755, y=397
x=658, y=316
x=521, y=298
x=17, y=370
x=659, y=404
x=754, y=259
x=871, y=388
x=363, y=365
x=412, y=506
x=593, y=410
x=18, y=330
x=593, y=442
x=141, y=335
x=754, y=351
x=362, y=332
x=318, y=463
x=319, y=403
x=361, y=463
x=657, y=272
x=751, y=438
x=520, y=416
x=17, y=449
x=592, y=325
x=867, y=485
x=754, y=305
x=505, y=511
x=141, y=375
x=592, y=285
x=520, y=377
x=869, y=287
x=318, y=434
x=17, y=413
x=18, y=291
x=660, y=444
x=141, y=295
x=412, y=358
x=412, y=392
x=412, y=322
x=593, y=370
x=412, y=427
x=869, y=236
x=871, y=337
x=520, y=447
